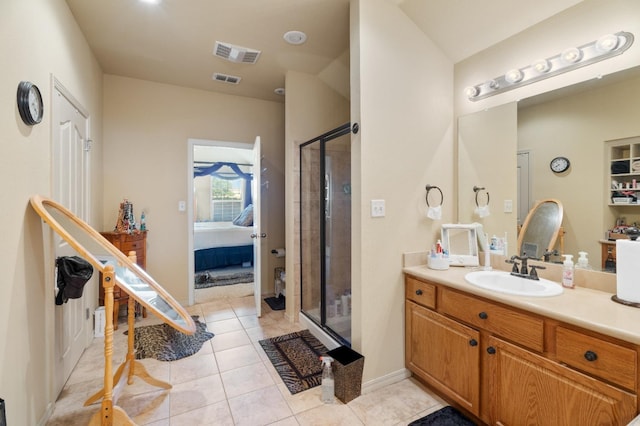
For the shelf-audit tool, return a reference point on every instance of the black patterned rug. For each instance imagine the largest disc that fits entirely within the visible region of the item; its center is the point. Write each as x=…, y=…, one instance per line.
x=446, y=416
x=296, y=357
x=165, y=343
x=208, y=279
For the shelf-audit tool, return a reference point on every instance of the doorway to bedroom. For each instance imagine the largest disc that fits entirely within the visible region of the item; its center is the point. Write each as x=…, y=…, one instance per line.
x=222, y=220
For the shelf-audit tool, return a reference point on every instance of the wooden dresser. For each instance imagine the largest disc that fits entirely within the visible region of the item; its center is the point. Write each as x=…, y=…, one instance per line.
x=125, y=243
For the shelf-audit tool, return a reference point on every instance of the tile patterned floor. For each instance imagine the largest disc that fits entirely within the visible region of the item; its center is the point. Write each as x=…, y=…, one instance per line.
x=231, y=382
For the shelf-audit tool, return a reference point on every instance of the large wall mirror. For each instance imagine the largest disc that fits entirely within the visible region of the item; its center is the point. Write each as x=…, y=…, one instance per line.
x=508, y=150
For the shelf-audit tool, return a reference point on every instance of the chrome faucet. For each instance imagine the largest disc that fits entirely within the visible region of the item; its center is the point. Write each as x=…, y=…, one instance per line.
x=524, y=270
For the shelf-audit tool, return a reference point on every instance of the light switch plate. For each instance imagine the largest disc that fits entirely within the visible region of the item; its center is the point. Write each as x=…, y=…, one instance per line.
x=377, y=208
x=182, y=206
x=508, y=206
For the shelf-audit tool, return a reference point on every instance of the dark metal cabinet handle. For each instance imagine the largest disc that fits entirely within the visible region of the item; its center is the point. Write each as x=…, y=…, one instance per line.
x=491, y=350
x=590, y=356
x=483, y=315
x=473, y=342
x=419, y=292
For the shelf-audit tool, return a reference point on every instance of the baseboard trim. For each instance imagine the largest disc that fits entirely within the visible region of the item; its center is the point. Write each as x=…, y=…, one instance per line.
x=386, y=380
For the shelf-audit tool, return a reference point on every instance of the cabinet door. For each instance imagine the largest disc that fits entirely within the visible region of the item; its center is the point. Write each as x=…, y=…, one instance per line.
x=528, y=389
x=445, y=354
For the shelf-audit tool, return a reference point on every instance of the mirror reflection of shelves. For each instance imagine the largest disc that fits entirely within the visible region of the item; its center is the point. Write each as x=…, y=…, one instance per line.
x=623, y=164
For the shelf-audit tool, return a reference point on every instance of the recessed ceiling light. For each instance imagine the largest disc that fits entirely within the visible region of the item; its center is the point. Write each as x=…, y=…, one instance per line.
x=279, y=91
x=295, y=37
x=151, y=1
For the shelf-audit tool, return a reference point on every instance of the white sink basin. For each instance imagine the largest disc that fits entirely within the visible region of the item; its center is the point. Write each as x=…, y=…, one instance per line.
x=504, y=282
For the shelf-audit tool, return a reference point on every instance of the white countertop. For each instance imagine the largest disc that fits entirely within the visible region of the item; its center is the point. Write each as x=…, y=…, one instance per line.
x=583, y=307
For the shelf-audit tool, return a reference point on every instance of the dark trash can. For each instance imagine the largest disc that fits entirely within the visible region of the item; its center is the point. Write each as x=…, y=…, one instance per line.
x=347, y=372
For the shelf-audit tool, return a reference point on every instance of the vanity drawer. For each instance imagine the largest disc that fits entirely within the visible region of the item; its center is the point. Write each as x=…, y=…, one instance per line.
x=420, y=292
x=606, y=360
x=518, y=327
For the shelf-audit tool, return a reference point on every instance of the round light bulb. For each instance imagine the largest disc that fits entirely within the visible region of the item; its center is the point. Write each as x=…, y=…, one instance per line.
x=571, y=55
x=471, y=92
x=607, y=43
x=541, y=66
x=514, y=76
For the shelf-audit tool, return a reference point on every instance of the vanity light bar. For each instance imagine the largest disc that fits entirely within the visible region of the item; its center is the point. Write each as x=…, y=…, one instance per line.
x=572, y=58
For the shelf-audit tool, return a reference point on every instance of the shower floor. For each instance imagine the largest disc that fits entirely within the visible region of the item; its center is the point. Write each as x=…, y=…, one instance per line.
x=340, y=324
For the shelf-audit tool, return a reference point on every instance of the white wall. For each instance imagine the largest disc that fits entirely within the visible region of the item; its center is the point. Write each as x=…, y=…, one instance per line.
x=580, y=24
x=147, y=127
x=38, y=38
x=401, y=94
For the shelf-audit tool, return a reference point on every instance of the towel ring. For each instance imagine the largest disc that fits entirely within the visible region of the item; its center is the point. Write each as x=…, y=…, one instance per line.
x=477, y=190
x=429, y=188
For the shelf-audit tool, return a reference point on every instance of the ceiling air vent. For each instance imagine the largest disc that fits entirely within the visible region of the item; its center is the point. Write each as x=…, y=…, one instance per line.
x=236, y=54
x=225, y=78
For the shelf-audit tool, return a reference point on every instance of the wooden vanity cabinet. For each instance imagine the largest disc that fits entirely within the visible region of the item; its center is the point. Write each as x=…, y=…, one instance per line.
x=526, y=388
x=511, y=367
x=445, y=354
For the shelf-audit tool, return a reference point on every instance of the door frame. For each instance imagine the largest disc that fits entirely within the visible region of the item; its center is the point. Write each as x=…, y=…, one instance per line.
x=189, y=210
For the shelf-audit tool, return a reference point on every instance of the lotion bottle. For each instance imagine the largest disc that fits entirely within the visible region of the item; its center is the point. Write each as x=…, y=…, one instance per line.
x=567, y=271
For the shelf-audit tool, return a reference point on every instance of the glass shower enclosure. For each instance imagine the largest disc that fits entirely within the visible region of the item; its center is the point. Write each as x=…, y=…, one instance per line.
x=325, y=232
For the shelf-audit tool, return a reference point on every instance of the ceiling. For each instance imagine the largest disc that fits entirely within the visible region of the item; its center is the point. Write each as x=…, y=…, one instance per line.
x=173, y=42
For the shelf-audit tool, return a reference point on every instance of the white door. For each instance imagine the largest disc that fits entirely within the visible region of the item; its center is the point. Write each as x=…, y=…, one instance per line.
x=257, y=235
x=70, y=188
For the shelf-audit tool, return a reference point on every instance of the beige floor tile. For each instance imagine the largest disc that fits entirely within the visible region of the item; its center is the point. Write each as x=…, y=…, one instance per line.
x=147, y=407
x=246, y=379
x=392, y=404
x=230, y=381
x=249, y=321
x=193, y=367
x=237, y=357
x=255, y=334
x=301, y=401
x=233, y=339
x=224, y=326
x=289, y=421
x=218, y=315
x=260, y=407
x=217, y=414
x=196, y=393
x=328, y=415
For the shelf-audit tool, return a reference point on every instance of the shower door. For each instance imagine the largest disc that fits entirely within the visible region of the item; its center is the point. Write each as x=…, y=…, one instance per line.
x=325, y=231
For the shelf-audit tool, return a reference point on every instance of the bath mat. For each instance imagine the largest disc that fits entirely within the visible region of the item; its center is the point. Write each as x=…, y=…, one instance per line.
x=447, y=416
x=208, y=279
x=276, y=303
x=165, y=343
x=296, y=357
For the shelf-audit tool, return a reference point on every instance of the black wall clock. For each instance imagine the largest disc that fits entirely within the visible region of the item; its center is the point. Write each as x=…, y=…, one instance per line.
x=30, y=103
x=559, y=164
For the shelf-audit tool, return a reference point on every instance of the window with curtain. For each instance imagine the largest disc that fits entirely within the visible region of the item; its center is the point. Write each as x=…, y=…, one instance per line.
x=228, y=190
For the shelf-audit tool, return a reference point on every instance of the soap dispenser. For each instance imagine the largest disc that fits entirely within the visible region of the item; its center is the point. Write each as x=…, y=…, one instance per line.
x=567, y=271
x=583, y=262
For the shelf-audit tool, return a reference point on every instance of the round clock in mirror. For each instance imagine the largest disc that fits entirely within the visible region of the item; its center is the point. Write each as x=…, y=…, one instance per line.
x=559, y=164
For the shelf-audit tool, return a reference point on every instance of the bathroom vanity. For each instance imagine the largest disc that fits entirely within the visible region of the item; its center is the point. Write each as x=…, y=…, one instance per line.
x=570, y=359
